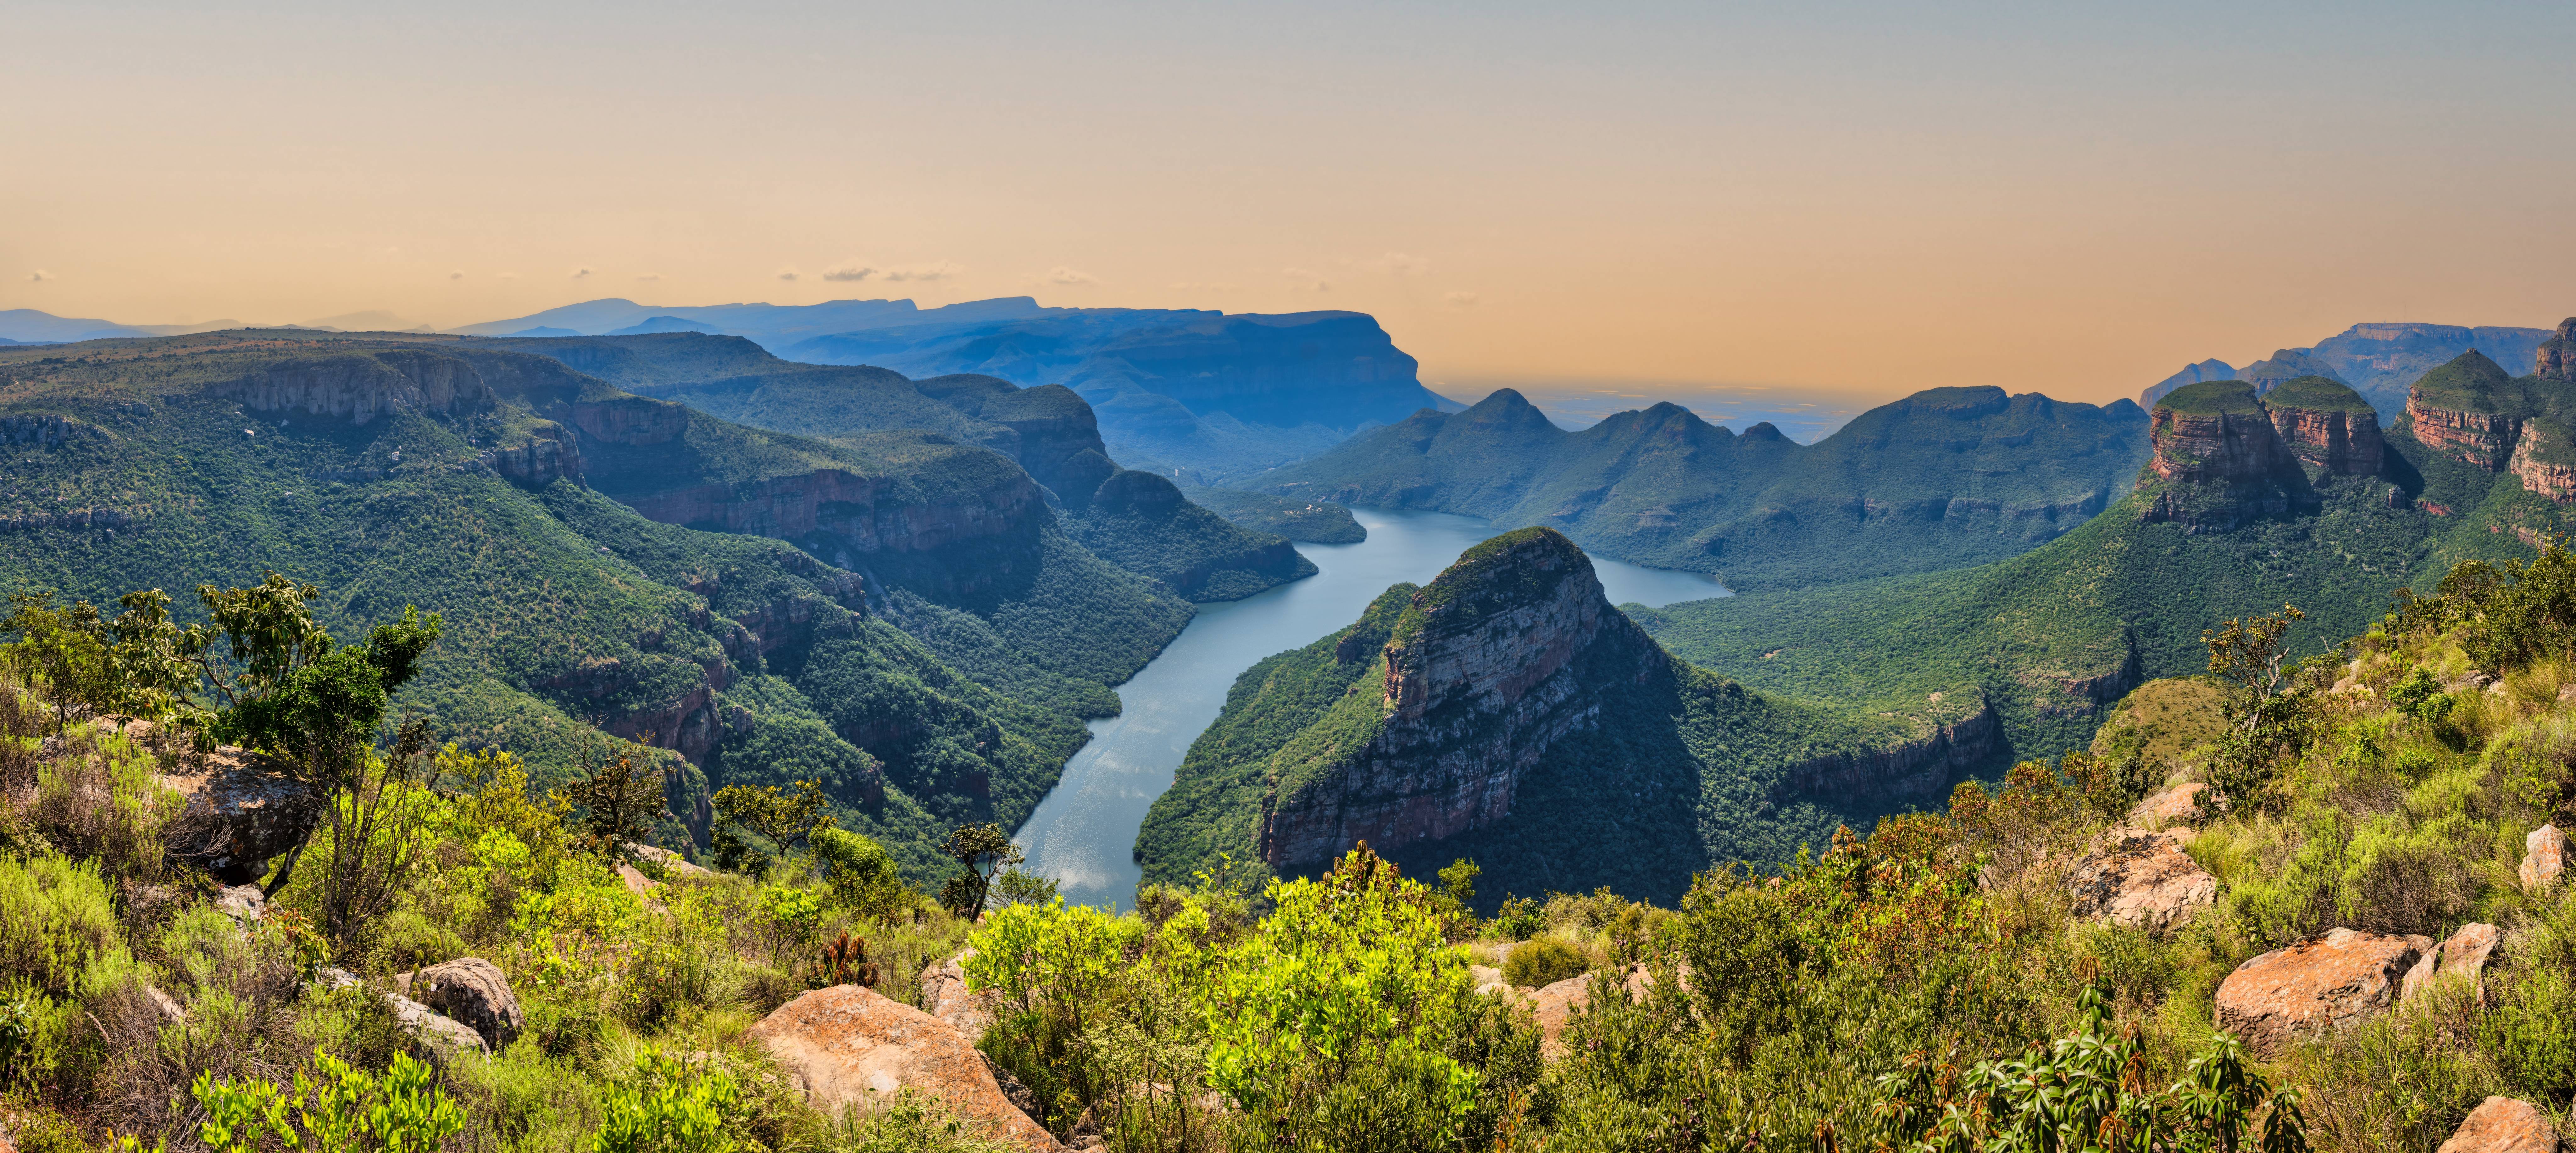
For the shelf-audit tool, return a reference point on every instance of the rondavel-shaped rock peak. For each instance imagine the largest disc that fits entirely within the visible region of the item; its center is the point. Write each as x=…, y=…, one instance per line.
x=2328, y=426
x=2557, y=359
x=1489, y=665
x=2226, y=461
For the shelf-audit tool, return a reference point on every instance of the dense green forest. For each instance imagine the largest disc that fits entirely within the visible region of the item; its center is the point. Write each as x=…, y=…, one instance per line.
x=918, y=699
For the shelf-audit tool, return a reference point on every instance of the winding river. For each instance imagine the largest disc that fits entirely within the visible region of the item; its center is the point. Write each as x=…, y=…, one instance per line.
x=1084, y=833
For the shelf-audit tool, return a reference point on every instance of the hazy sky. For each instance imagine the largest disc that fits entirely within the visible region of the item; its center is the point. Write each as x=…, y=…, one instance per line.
x=2070, y=198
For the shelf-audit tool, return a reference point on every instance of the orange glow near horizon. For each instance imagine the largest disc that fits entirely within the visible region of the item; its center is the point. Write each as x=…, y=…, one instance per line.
x=1857, y=199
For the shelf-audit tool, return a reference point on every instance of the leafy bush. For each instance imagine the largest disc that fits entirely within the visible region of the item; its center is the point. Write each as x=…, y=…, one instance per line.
x=1544, y=961
x=333, y=1107
x=56, y=923
x=664, y=1106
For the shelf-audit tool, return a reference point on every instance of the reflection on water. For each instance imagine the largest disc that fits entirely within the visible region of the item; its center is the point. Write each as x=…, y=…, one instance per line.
x=1084, y=833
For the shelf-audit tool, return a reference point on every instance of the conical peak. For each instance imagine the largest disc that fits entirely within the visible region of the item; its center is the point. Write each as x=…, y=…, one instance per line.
x=1511, y=570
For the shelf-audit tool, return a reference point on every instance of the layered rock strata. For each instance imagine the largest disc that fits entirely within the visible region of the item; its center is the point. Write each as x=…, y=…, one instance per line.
x=2557, y=359
x=2224, y=461
x=1480, y=680
x=365, y=385
x=2328, y=426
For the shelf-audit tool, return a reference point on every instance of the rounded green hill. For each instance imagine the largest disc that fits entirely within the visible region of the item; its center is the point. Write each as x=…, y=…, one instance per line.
x=2318, y=393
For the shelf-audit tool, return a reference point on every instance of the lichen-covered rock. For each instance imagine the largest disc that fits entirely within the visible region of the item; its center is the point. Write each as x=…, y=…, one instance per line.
x=2175, y=806
x=244, y=903
x=2544, y=856
x=2322, y=982
x=849, y=1046
x=2464, y=954
x=239, y=814
x=2140, y=880
x=2504, y=1125
x=476, y=992
x=677, y=864
x=944, y=994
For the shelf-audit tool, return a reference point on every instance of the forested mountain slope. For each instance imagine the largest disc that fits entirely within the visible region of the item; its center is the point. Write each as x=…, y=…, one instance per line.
x=2249, y=503
x=605, y=561
x=1048, y=430
x=1941, y=479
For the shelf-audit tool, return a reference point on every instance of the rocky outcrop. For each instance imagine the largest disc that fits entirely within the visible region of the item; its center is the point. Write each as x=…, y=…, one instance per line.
x=238, y=814
x=874, y=515
x=2223, y=461
x=1480, y=680
x=2319, y=983
x=545, y=457
x=2469, y=410
x=945, y=995
x=2140, y=880
x=2544, y=459
x=365, y=385
x=850, y=1046
x=633, y=421
x=2544, y=856
x=2504, y=1125
x=438, y=1037
x=2175, y=806
x=2465, y=954
x=473, y=991
x=1915, y=767
x=2557, y=358
x=47, y=430
x=2327, y=426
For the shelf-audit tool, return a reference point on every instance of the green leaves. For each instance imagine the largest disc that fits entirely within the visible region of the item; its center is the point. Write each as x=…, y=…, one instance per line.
x=664, y=1106
x=334, y=1109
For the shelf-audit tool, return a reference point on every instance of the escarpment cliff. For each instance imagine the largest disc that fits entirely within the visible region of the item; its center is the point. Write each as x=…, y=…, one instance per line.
x=2470, y=411
x=365, y=385
x=2328, y=426
x=2222, y=460
x=1489, y=666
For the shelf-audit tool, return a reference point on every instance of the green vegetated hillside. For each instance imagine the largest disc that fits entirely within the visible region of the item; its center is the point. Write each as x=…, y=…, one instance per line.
x=2051, y=635
x=501, y=491
x=1672, y=770
x=1322, y=522
x=1048, y=430
x=1944, y=478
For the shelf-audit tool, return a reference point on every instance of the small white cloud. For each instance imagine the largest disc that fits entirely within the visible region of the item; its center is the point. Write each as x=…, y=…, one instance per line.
x=40, y=274
x=456, y=274
x=940, y=270
x=650, y=276
x=581, y=274
x=787, y=274
x=1461, y=299
x=1314, y=280
x=1062, y=275
x=849, y=272
x=1401, y=264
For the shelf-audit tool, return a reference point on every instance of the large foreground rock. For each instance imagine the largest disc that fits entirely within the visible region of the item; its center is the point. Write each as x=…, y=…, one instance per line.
x=2504, y=1125
x=2140, y=880
x=239, y=815
x=473, y=991
x=440, y=1037
x=2544, y=856
x=850, y=1046
x=1555, y=1005
x=2319, y=983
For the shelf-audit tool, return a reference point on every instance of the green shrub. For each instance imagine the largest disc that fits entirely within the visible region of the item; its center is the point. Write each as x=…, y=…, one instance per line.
x=665, y=1106
x=2531, y=1031
x=55, y=923
x=1543, y=962
x=914, y=1123
x=333, y=1107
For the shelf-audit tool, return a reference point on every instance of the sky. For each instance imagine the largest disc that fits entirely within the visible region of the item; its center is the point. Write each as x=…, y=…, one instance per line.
x=1837, y=199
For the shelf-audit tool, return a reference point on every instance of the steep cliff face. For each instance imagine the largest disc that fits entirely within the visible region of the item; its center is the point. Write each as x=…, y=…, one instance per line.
x=2545, y=459
x=867, y=512
x=2469, y=410
x=2557, y=356
x=1507, y=652
x=2328, y=426
x=2223, y=461
x=365, y=385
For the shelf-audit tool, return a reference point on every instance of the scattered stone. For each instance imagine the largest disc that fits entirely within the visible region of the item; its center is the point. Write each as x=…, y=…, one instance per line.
x=851, y=1046
x=475, y=992
x=2141, y=880
x=2318, y=983
x=2544, y=856
x=163, y=1004
x=2177, y=805
x=244, y=903
x=2465, y=953
x=443, y=1037
x=1489, y=979
x=944, y=994
x=2504, y=1125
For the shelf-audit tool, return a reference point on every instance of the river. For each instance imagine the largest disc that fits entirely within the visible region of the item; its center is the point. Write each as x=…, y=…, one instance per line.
x=1084, y=833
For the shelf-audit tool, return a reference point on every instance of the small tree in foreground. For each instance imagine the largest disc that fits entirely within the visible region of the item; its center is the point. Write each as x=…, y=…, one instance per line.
x=981, y=851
